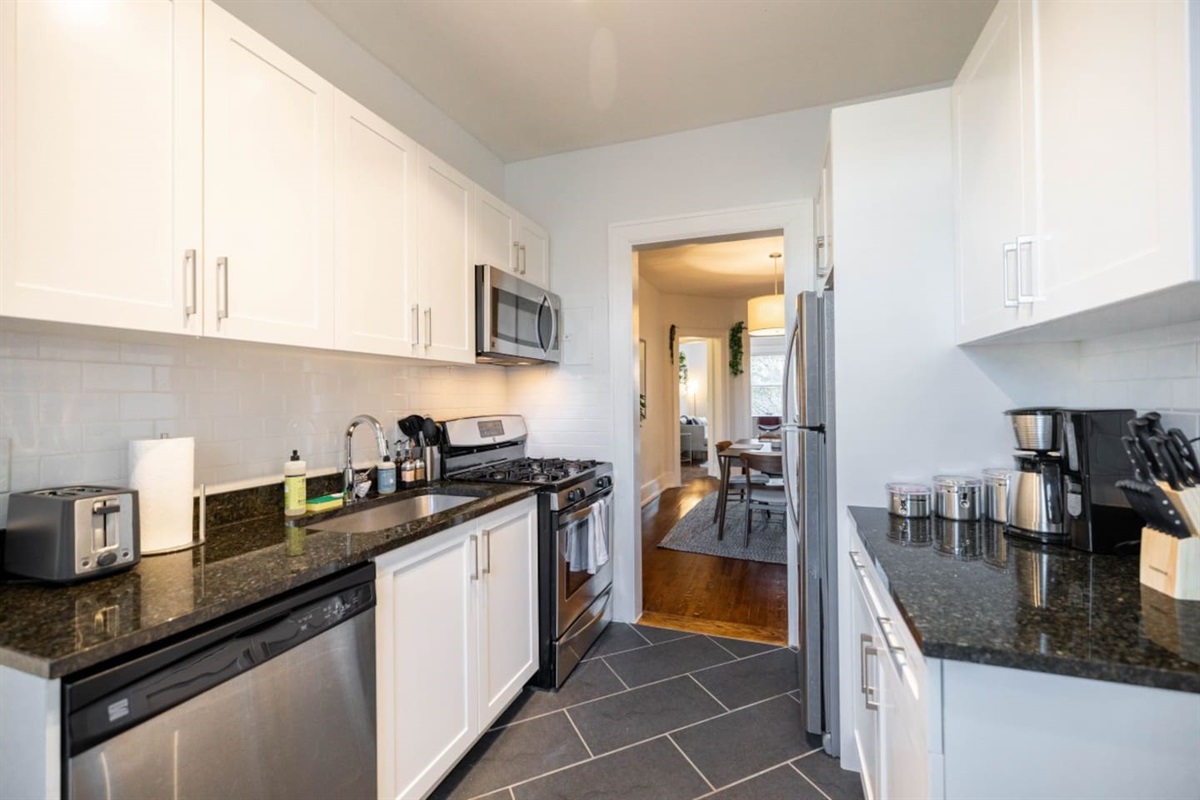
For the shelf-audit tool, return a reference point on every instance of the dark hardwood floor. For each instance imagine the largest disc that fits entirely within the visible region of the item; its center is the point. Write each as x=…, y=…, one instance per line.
x=706, y=594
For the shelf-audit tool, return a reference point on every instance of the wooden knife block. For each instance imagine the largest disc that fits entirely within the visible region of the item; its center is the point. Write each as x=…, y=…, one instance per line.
x=1171, y=565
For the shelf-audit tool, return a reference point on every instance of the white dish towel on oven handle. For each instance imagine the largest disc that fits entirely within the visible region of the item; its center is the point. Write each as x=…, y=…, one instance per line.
x=587, y=544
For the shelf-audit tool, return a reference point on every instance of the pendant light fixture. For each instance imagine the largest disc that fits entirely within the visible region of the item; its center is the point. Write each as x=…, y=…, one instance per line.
x=764, y=313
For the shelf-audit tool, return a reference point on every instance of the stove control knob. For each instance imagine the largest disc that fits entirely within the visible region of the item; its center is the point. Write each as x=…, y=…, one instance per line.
x=574, y=494
x=604, y=482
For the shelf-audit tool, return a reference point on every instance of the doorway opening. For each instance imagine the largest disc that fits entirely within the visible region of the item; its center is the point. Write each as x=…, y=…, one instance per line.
x=701, y=570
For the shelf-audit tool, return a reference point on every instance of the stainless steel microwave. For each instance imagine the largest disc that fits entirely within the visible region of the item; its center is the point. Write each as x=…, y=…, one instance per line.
x=516, y=322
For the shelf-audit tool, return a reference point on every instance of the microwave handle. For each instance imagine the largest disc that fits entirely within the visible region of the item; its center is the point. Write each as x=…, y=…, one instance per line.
x=546, y=306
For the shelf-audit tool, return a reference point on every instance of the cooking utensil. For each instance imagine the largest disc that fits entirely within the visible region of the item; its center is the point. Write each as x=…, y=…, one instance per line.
x=1167, y=468
x=1037, y=429
x=429, y=432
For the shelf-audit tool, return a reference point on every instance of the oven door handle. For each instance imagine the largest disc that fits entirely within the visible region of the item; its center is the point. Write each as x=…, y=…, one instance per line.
x=587, y=510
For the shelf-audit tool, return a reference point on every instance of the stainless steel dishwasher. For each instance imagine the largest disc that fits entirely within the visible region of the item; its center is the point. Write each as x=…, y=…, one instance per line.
x=274, y=702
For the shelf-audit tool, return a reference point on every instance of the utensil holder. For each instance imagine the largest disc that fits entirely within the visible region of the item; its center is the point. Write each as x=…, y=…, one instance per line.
x=1171, y=565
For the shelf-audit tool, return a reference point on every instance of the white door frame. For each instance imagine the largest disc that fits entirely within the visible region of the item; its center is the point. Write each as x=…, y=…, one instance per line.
x=796, y=221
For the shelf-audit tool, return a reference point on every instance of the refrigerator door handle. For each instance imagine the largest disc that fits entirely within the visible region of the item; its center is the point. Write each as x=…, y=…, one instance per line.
x=788, y=427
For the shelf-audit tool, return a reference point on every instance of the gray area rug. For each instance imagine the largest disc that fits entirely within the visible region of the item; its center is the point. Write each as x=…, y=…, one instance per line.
x=697, y=533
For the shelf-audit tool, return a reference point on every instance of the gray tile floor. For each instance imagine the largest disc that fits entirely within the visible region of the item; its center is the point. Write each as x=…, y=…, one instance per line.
x=660, y=715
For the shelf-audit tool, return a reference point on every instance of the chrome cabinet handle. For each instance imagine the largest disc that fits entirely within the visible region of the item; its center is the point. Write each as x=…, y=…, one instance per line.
x=487, y=551
x=524, y=260
x=429, y=326
x=474, y=557
x=189, y=282
x=854, y=560
x=1010, y=249
x=222, y=288
x=866, y=650
x=1025, y=244
x=516, y=262
x=416, y=324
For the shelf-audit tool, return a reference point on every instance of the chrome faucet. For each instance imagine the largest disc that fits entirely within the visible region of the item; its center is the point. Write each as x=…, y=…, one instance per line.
x=348, y=476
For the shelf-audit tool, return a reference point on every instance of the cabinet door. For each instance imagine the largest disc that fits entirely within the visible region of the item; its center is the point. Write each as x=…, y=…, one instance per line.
x=375, y=237
x=268, y=195
x=1112, y=111
x=993, y=174
x=100, y=162
x=425, y=657
x=495, y=232
x=508, y=610
x=865, y=674
x=446, y=277
x=534, y=251
x=904, y=762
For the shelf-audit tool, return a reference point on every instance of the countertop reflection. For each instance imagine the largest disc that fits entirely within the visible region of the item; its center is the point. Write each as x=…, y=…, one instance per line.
x=970, y=592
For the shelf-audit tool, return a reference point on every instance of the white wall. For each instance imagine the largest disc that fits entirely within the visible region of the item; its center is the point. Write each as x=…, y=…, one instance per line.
x=578, y=195
x=304, y=32
x=656, y=431
x=71, y=398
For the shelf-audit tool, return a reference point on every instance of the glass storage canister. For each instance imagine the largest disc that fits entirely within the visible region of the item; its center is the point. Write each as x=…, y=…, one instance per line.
x=995, y=493
x=909, y=499
x=958, y=497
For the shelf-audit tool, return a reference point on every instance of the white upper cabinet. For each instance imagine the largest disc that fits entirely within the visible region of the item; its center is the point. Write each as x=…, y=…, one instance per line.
x=495, y=233
x=533, y=248
x=268, y=191
x=445, y=308
x=1074, y=161
x=507, y=239
x=993, y=155
x=375, y=236
x=100, y=162
x=1114, y=153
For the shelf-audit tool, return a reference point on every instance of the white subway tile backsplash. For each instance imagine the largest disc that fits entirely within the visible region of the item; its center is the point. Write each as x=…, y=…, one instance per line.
x=1155, y=369
x=70, y=403
x=1186, y=393
x=1171, y=361
x=149, y=405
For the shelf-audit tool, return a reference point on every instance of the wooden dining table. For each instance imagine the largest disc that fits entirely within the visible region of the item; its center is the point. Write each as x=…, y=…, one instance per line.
x=726, y=458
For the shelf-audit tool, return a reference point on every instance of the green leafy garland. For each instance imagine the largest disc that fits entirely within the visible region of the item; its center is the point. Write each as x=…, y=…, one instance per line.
x=735, y=348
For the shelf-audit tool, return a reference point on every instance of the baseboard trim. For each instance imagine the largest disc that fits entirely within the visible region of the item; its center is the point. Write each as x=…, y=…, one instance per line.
x=653, y=488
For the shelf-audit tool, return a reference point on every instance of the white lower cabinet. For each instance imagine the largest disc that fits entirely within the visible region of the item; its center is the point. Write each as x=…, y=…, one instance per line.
x=456, y=631
x=890, y=713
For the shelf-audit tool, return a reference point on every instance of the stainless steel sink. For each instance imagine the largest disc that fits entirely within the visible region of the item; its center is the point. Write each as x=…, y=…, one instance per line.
x=378, y=518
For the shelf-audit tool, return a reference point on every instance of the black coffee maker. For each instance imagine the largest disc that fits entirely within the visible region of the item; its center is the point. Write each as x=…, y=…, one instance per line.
x=1097, y=515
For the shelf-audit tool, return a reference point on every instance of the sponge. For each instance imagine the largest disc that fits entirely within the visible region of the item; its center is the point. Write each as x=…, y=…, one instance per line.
x=324, y=503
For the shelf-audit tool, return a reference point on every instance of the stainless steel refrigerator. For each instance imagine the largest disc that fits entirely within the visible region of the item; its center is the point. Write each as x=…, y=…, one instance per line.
x=808, y=443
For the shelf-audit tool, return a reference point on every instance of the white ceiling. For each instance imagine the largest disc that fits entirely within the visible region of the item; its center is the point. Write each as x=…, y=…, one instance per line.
x=533, y=77
x=739, y=268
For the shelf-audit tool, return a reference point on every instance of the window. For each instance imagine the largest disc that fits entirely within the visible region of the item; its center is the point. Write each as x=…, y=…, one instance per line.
x=766, y=376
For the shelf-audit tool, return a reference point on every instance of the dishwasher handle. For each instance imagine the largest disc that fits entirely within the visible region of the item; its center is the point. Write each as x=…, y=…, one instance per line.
x=101, y=706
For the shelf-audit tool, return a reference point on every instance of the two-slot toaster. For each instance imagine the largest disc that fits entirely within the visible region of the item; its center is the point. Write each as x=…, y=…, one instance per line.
x=72, y=533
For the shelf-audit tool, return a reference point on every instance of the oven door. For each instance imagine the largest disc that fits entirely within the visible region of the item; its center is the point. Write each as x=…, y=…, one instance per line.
x=516, y=321
x=577, y=585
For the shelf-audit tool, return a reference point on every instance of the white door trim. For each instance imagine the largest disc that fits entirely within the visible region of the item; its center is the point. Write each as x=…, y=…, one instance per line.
x=796, y=221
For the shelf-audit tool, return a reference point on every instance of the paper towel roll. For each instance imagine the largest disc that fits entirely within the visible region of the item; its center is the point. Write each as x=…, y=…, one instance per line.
x=162, y=470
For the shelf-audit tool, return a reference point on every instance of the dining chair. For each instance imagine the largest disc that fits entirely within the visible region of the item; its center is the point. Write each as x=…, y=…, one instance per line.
x=735, y=483
x=764, y=496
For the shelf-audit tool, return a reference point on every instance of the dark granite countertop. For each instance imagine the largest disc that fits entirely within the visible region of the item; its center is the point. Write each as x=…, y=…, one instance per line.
x=53, y=630
x=970, y=592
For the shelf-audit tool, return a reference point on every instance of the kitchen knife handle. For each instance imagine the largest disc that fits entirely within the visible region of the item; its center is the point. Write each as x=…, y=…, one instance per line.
x=1140, y=428
x=1141, y=468
x=1186, y=452
x=1166, y=462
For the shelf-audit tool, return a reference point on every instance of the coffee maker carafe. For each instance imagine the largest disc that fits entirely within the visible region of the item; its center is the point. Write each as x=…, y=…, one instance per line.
x=1035, y=498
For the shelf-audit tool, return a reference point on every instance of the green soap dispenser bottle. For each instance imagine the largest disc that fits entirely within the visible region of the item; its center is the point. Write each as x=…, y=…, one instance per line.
x=295, y=486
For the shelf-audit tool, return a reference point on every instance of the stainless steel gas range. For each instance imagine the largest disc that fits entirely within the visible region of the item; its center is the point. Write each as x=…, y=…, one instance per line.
x=574, y=532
